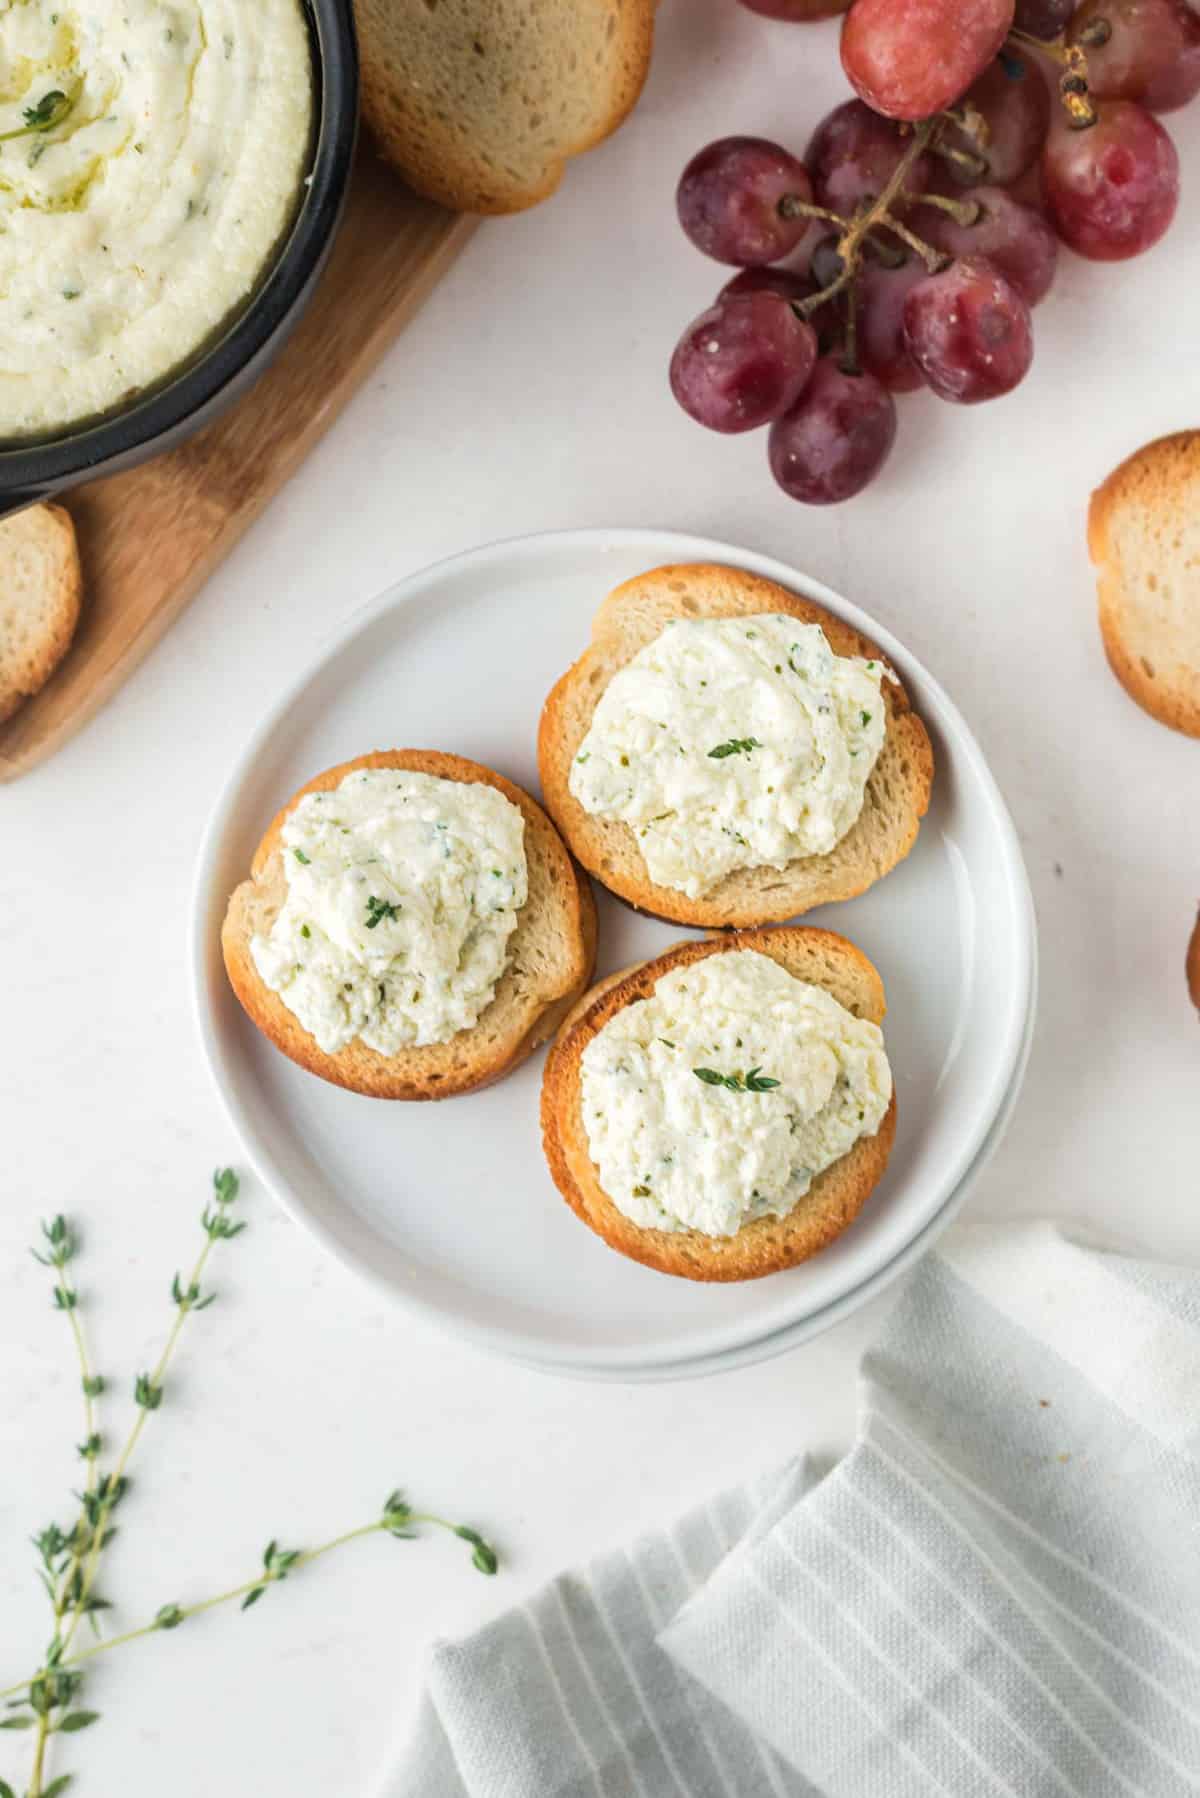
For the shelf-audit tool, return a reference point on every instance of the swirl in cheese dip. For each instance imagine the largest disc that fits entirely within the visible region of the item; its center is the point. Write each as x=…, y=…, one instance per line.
x=152, y=154
x=403, y=890
x=733, y=743
x=719, y=1099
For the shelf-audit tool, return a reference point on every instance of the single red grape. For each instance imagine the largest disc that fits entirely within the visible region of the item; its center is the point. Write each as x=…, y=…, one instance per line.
x=1151, y=53
x=743, y=362
x=1112, y=188
x=797, y=10
x=1045, y=19
x=969, y=332
x=852, y=156
x=1018, y=240
x=826, y=321
x=835, y=438
x=911, y=58
x=881, y=346
x=1014, y=103
x=733, y=200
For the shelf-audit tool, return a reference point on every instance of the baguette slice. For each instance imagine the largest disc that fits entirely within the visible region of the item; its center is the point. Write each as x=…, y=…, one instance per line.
x=552, y=954
x=896, y=798
x=1144, y=538
x=770, y=1243
x=41, y=586
x=480, y=103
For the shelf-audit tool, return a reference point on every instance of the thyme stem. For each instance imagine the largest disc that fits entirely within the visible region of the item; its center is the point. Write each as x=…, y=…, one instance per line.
x=39, y=1757
x=113, y=1484
x=61, y=1247
x=91, y=1386
x=174, y=1615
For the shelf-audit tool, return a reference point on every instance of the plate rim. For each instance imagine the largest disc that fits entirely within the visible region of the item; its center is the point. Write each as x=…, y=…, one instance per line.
x=662, y=546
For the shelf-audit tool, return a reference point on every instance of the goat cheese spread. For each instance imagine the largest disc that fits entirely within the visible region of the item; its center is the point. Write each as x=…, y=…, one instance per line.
x=720, y=1099
x=402, y=893
x=152, y=154
x=733, y=743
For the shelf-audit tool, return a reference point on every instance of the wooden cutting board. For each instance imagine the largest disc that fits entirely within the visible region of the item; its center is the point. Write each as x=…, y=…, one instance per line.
x=150, y=538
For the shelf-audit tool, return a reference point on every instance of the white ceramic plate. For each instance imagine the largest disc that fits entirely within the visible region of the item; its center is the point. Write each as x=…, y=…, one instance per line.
x=448, y=1208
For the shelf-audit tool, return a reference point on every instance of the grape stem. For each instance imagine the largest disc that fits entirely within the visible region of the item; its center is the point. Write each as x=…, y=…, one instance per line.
x=1072, y=60
x=876, y=216
x=964, y=212
x=791, y=206
x=933, y=259
x=972, y=166
x=972, y=124
x=849, y=357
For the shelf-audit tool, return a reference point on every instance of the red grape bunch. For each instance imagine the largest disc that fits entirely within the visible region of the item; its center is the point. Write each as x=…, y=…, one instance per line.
x=909, y=245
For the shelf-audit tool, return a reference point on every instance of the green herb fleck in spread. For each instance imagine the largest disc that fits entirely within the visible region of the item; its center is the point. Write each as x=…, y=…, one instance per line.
x=735, y=746
x=378, y=910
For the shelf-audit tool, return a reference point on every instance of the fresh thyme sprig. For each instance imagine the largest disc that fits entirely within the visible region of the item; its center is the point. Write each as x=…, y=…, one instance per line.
x=218, y=1226
x=51, y=1689
x=753, y=1082
x=70, y=1560
x=397, y=1518
x=44, y=1702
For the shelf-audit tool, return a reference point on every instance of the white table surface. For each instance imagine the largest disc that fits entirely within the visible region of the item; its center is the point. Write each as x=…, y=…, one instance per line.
x=530, y=394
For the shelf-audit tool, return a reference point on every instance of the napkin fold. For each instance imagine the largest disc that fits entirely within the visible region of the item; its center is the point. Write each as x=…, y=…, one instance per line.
x=997, y=1591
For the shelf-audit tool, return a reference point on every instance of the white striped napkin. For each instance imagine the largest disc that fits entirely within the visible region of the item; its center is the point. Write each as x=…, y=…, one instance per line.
x=997, y=1592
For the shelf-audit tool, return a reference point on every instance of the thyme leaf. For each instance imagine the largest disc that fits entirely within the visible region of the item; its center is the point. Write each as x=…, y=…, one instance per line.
x=735, y=746
x=753, y=1082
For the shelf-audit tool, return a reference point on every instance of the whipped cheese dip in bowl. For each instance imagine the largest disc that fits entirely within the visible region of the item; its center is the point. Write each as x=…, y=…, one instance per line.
x=172, y=173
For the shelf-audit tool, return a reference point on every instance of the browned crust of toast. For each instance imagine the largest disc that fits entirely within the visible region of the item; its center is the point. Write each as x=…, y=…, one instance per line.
x=725, y=906
x=435, y=1071
x=769, y=1244
x=452, y=174
x=1148, y=477
x=18, y=685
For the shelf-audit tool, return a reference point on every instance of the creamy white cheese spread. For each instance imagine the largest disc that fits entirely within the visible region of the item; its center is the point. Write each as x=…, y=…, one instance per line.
x=152, y=153
x=403, y=892
x=719, y=1099
x=732, y=743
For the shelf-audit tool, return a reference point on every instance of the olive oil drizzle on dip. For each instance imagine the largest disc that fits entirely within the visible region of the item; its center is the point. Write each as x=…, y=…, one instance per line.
x=152, y=154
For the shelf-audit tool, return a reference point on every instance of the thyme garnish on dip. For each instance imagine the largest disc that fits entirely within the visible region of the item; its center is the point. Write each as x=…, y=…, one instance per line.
x=49, y=111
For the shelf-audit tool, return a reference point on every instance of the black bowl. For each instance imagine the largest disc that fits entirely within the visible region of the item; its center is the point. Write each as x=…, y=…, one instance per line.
x=231, y=362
